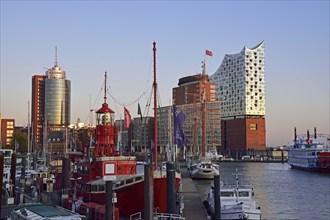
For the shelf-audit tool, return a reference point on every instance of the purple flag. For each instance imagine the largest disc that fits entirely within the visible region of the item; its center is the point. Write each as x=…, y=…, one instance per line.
x=179, y=135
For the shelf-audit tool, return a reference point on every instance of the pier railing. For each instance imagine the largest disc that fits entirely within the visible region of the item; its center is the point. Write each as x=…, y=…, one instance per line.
x=167, y=216
x=158, y=216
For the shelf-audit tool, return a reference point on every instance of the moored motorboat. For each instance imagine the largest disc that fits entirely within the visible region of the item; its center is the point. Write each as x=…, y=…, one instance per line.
x=236, y=202
x=42, y=211
x=204, y=170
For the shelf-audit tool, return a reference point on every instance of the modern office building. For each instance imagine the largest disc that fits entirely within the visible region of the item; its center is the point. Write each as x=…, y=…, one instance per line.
x=192, y=126
x=51, y=98
x=142, y=134
x=240, y=86
x=57, y=109
x=57, y=97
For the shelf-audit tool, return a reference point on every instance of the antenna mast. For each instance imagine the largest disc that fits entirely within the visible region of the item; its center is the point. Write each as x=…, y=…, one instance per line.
x=56, y=63
x=105, y=87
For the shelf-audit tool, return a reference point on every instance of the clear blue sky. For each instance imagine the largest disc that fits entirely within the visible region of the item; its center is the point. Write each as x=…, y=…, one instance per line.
x=117, y=36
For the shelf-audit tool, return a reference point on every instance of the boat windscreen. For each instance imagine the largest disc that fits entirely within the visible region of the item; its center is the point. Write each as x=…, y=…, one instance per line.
x=227, y=194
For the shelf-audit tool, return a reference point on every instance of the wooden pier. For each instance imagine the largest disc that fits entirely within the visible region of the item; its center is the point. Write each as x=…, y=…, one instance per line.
x=193, y=206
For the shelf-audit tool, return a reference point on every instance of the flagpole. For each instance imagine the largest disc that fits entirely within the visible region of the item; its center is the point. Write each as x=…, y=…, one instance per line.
x=203, y=111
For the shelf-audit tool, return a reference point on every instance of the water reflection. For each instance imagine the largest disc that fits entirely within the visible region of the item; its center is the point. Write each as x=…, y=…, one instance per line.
x=282, y=192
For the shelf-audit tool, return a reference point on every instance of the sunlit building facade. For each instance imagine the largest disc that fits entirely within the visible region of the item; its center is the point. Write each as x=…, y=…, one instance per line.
x=240, y=87
x=57, y=97
x=51, y=106
x=7, y=131
x=37, y=110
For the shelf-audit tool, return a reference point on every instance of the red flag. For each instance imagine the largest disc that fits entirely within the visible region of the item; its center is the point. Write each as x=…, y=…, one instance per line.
x=208, y=53
x=127, y=118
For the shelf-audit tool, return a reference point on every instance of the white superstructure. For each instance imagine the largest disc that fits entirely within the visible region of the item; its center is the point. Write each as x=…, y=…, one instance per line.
x=240, y=83
x=236, y=202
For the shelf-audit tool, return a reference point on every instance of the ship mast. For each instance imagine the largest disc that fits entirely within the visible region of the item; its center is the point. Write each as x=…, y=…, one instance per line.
x=203, y=113
x=155, y=111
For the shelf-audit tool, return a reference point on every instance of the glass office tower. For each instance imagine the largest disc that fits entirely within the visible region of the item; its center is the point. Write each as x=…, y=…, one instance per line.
x=57, y=97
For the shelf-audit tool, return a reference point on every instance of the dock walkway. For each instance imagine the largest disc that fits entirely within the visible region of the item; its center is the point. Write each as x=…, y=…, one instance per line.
x=193, y=206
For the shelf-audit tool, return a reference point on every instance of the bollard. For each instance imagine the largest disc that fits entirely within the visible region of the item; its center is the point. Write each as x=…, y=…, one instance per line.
x=170, y=188
x=148, y=191
x=108, y=201
x=217, y=204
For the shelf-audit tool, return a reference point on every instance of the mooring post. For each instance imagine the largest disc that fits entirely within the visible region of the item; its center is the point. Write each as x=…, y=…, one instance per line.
x=170, y=188
x=217, y=202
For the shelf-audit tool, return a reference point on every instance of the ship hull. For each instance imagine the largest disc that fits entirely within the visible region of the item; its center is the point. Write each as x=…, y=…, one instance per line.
x=323, y=161
x=310, y=159
x=313, y=169
x=130, y=199
x=130, y=193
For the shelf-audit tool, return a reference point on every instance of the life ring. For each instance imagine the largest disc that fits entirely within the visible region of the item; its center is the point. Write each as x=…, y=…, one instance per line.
x=240, y=216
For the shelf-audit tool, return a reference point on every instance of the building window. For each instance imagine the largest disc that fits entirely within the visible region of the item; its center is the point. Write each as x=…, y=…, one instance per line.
x=253, y=127
x=10, y=133
x=10, y=124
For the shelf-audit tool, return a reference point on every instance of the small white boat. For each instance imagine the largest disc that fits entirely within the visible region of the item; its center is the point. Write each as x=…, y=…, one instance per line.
x=204, y=170
x=213, y=155
x=236, y=202
x=41, y=211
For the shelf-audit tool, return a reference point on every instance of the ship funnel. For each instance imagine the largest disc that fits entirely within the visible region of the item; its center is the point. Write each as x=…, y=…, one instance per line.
x=295, y=134
x=307, y=134
x=315, y=132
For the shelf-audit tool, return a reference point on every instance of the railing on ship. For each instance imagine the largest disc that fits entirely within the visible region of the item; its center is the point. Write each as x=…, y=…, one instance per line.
x=158, y=216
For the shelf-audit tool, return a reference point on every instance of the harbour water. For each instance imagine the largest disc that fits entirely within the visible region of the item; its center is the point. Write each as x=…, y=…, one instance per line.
x=281, y=192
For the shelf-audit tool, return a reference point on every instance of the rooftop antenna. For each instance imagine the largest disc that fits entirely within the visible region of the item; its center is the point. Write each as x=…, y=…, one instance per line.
x=56, y=63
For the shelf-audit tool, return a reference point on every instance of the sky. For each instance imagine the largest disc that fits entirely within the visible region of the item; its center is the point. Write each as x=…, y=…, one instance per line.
x=117, y=36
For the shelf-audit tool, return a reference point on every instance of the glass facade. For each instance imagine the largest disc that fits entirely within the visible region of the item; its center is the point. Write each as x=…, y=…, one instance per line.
x=57, y=101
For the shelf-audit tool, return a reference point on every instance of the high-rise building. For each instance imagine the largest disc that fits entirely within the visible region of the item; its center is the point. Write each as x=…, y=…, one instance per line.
x=189, y=97
x=190, y=90
x=57, y=97
x=240, y=86
x=51, y=98
x=38, y=107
